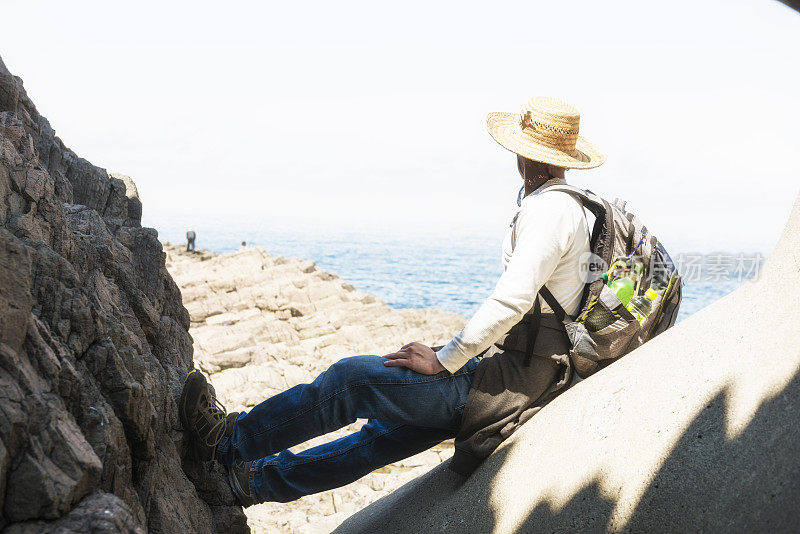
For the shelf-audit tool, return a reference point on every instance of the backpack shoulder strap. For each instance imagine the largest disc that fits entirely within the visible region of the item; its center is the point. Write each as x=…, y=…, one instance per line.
x=554, y=305
x=536, y=319
x=603, y=230
x=600, y=238
x=584, y=198
x=592, y=202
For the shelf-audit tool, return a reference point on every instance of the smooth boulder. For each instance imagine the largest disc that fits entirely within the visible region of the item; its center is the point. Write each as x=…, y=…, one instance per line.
x=697, y=430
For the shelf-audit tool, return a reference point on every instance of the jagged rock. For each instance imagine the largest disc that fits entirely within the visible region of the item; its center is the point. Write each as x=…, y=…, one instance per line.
x=262, y=324
x=99, y=512
x=696, y=431
x=93, y=350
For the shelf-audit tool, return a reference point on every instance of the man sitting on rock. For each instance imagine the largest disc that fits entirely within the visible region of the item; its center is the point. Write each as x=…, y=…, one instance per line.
x=507, y=362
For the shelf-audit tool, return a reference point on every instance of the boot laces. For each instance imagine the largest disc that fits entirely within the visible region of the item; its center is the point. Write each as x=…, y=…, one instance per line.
x=210, y=421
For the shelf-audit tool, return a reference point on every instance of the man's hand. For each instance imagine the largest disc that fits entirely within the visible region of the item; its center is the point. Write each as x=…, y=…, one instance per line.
x=417, y=357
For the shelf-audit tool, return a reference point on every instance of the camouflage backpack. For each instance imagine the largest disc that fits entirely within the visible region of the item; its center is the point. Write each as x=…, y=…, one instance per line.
x=604, y=329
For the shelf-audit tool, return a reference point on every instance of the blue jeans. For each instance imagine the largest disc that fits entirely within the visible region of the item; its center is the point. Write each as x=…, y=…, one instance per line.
x=408, y=413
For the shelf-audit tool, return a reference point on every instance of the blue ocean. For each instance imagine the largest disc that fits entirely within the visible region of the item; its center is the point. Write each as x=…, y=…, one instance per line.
x=449, y=271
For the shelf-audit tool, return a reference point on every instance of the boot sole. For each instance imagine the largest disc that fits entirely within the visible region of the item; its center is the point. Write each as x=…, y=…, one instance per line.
x=194, y=376
x=238, y=492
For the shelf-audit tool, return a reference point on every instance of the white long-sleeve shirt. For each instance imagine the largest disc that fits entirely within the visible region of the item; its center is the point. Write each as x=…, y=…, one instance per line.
x=551, y=236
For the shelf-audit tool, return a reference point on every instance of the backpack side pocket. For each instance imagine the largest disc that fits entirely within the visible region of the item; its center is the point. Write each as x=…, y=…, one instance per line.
x=601, y=334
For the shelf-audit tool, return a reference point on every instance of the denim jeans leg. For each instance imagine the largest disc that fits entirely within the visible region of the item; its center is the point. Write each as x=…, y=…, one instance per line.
x=359, y=387
x=286, y=476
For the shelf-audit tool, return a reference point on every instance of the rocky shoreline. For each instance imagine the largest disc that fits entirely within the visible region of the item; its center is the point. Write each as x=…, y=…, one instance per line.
x=262, y=324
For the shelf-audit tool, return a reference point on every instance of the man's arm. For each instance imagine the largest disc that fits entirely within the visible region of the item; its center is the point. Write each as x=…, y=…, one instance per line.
x=545, y=230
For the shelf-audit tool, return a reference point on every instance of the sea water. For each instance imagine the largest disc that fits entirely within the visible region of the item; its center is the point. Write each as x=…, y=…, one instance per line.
x=454, y=271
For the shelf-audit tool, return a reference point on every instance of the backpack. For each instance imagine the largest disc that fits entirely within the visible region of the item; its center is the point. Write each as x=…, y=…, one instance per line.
x=604, y=329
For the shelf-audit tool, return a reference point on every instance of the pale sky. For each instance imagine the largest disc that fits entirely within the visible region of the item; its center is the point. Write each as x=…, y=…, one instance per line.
x=372, y=113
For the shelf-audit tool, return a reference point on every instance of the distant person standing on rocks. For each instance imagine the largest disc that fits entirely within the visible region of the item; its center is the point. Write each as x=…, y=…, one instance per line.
x=243, y=247
x=490, y=378
x=190, y=235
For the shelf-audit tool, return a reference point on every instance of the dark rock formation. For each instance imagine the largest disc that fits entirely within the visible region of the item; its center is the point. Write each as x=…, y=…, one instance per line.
x=93, y=350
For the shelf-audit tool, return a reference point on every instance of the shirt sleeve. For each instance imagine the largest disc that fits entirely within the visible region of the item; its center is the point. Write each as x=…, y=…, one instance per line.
x=544, y=231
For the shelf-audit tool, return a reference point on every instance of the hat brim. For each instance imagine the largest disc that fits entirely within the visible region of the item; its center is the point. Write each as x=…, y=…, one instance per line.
x=506, y=130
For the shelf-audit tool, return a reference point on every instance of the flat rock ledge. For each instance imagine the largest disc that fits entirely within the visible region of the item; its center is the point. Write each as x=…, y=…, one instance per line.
x=262, y=324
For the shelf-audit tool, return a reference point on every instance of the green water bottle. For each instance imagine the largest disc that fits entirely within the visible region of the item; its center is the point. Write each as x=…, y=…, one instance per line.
x=623, y=288
x=642, y=306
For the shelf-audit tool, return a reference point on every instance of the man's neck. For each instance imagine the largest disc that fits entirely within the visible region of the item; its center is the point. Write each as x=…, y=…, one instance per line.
x=530, y=188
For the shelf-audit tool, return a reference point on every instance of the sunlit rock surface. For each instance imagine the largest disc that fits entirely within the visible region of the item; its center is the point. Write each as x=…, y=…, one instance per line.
x=262, y=324
x=93, y=348
x=698, y=430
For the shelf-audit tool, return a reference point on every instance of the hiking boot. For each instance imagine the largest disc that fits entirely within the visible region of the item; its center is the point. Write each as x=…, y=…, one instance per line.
x=239, y=480
x=203, y=416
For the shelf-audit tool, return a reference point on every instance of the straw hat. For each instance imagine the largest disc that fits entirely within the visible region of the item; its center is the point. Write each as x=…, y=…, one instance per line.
x=545, y=131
